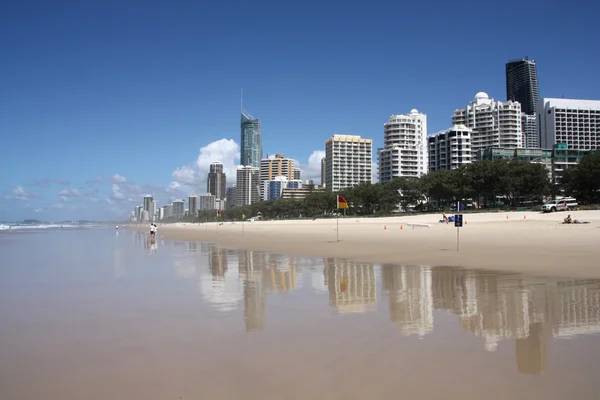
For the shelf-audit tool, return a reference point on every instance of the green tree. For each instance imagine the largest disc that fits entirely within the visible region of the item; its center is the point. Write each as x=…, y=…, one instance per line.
x=583, y=181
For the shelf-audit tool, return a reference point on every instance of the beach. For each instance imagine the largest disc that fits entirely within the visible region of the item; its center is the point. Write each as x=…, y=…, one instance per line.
x=110, y=314
x=526, y=242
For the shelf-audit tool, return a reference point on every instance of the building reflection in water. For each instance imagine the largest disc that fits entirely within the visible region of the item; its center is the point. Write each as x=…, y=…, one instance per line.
x=493, y=306
x=352, y=286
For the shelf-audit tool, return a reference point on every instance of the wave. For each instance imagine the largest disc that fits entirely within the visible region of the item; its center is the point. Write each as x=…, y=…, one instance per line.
x=41, y=226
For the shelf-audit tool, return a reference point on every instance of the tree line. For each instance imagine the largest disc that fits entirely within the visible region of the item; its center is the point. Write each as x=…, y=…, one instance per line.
x=484, y=184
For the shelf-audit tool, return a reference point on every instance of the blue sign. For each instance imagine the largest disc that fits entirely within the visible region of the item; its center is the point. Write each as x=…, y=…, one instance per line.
x=458, y=220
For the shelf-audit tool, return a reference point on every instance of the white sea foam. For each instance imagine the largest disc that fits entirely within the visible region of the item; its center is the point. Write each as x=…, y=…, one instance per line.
x=41, y=226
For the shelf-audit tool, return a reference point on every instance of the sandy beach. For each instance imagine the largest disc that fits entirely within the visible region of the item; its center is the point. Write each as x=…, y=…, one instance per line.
x=526, y=242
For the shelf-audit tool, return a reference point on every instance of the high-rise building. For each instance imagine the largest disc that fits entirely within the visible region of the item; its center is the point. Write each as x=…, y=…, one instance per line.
x=450, y=149
x=217, y=180
x=575, y=123
x=251, y=141
x=231, y=196
x=247, y=185
x=348, y=161
x=323, y=168
x=207, y=202
x=161, y=213
x=147, y=202
x=138, y=213
x=297, y=175
x=152, y=211
x=494, y=123
x=404, y=151
x=178, y=208
x=522, y=84
x=530, y=132
x=168, y=211
x=278, y=166
x=193, y=205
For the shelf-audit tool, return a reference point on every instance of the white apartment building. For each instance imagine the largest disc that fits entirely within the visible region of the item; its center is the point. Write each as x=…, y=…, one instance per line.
x=348, y=161
x=404, y=151
x=494, y=123
x=450, y=149
x=575, y=123
x=530, y=131
x=168, y=211
x=247, y=185
x=207, y=202
x=178, y=208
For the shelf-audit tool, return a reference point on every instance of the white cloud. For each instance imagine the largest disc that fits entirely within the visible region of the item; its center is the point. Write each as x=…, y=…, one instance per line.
x=37, y=210
x=19, y=193
x=116, y=178
x=227, y=151
x=70, y=192
x=116, y=192
x=311, y=169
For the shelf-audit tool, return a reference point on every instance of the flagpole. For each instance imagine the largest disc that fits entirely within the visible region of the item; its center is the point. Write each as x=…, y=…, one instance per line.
x=337, y=213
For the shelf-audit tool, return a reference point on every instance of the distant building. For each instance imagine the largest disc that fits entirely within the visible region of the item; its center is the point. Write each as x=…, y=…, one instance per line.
x=168, y=211
x=207, y=202
x=273, y=189
x=152, y=211
x=323, y=168
x=297, y=174
x=563, y=158
x=278, y=166
x=530, y=131
x=494, y=123
x=450, y=149
x=161, y=213
x=251, y=141
x=247, y=185
x=300, y=193
x=193, y=205
x=348, y=161
x=575, y=123
x=217, y=180
x=147, y=202
x=138, y=213
x=231, y=196
x=178, y=208
x=522, y=84
x=405, y=147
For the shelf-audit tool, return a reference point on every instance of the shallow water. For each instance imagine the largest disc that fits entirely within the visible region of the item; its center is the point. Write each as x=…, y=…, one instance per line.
x=103, y=314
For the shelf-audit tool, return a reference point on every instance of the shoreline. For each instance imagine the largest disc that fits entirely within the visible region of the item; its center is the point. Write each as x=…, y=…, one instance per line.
x=521, y=242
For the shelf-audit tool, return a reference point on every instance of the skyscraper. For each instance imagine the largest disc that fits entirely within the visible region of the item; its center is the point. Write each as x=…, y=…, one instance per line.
x=522, y=84
x=193, y=205
x=405, y=147
x=147, y=202
x=247, y=185
x=251, y=141
x=217, y=181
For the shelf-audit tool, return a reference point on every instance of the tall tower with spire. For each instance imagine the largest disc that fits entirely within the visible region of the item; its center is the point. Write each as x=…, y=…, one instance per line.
x=251, y=139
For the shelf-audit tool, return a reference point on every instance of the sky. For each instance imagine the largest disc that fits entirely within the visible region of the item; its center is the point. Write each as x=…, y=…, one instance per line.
x=103, y=102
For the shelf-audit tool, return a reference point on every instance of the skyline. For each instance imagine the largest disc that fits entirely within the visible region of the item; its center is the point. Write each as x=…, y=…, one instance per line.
x=108, y=103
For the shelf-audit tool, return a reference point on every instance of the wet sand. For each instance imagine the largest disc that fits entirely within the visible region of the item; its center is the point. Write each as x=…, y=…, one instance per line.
x=517, y=241
x=108, y=315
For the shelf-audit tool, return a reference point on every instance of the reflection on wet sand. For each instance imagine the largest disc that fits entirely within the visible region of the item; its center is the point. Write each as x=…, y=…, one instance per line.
x=493, y=306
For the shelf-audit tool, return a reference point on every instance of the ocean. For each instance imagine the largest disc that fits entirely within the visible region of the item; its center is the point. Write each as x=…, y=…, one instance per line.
x=100, y=313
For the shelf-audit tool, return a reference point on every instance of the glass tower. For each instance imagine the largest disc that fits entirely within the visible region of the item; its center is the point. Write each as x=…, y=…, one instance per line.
x=251, y=152
x=522, y=84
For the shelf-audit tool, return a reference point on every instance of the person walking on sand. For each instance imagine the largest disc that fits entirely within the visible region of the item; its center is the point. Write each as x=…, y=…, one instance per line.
x=152, y=230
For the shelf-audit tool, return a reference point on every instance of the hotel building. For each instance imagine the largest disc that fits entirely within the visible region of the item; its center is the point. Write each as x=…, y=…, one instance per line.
x=247, y=185
x=450, y=149
x=348, y=161
x=575, y=123
x=494, y=123
x=405, y=147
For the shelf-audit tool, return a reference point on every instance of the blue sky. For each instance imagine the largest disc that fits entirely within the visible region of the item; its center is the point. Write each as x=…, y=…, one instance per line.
x=105, y=101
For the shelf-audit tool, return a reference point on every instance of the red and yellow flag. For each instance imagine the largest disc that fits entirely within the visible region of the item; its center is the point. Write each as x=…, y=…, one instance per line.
x=341, y=202
x=219, y=213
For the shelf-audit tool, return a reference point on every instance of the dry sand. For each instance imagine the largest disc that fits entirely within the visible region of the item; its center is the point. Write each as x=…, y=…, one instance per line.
x=526, y=242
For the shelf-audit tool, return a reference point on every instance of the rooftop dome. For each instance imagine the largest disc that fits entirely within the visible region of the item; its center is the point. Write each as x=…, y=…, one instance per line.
x=414, y=111
x=481, y=95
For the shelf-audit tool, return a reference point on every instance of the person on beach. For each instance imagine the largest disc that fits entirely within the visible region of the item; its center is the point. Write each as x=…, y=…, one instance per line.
x=152, y=230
